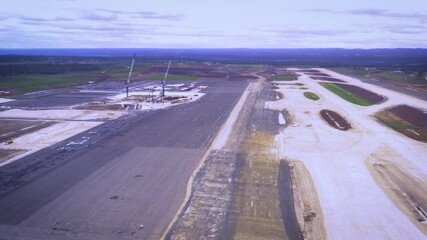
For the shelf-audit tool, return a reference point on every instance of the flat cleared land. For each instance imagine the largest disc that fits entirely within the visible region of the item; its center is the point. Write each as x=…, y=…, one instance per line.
x=55, y=99
x=406, y=192
x=137, y=178
x=6, y=154
x=367, y=179
x=257, y=205
x=318, y=74
x=329, y=79
x=309, y=71
x=13, y=128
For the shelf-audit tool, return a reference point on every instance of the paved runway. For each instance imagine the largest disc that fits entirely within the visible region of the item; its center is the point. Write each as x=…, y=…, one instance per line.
x=128, y=187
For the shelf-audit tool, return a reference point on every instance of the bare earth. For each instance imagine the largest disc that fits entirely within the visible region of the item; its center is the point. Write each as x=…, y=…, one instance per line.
x=356, y=200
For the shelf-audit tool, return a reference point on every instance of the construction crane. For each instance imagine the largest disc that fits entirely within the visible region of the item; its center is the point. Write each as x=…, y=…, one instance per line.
x=130, y=74
x=162, y=93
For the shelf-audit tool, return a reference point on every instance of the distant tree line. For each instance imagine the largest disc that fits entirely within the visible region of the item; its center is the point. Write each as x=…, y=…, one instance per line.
x=407, y=60
x=44, y=68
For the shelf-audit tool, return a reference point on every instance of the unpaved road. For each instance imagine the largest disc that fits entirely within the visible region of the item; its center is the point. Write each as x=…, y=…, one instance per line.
x=128, y=187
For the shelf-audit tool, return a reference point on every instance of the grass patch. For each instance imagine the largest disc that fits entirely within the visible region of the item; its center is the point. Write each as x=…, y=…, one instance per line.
x=400, y=125
x=349, y=96
x=285, y=78
x=25, y=83
x=311, y=95
x=299, y=84
x=38, y=82
x=172, y=77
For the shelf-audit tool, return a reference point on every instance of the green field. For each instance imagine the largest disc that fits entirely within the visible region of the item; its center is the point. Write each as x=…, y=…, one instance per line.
x=349, y=96
x=33, y=76
x=172, y=77
x=285, y=78
x=38, y=82
x=400, y=125
x=311, y=95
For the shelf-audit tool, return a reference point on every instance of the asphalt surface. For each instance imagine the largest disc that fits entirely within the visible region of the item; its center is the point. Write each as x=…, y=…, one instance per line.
x=128, y=187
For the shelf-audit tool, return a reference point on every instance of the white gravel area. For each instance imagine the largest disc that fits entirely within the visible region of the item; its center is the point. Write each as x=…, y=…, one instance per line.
x=5, y=100
x=61, y=114
x=46, y=137
x=354, y=206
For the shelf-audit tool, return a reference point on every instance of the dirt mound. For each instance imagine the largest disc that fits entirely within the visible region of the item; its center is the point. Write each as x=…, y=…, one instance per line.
x=368, y=95
x=335, y=120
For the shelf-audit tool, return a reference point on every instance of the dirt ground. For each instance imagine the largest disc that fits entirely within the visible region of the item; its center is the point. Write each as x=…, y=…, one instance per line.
x=6, y=154
x=243, y=190
x=335, y=120
x=413, y=115
x=14, y=128
x=258, y=206
x=406, y=192
x=307, y=205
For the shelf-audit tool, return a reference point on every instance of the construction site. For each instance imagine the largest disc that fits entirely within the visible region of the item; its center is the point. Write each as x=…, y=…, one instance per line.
x=214, y=151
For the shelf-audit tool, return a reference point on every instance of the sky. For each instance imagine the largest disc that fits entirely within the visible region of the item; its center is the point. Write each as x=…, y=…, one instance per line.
x=213, y=24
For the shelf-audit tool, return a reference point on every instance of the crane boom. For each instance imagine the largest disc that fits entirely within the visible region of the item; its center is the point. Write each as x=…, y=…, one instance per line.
x=164, y=79
x=129, y=76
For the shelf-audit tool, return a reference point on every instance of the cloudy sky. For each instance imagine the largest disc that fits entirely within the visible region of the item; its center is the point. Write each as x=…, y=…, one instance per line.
x=213, y=24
